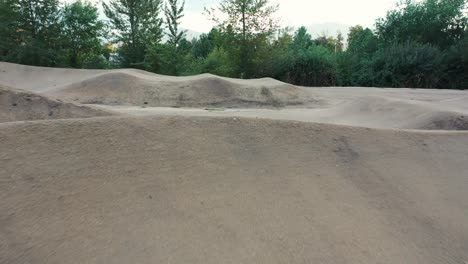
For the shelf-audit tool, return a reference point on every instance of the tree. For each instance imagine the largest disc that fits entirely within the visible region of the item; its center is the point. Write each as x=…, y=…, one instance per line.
x=339, y=42
x=272, y=58
x=8, y=27
x=81, y=31
x=314, y=66
x=410, y=65
x=362, y=40
x=204, y=45
x=137, y=27
x=456, y=62
x=219, y=62
x=438, y=22
x=302, y=40
x=174, y=13
x=248, y=20
x=37, y=32
x=353, y=65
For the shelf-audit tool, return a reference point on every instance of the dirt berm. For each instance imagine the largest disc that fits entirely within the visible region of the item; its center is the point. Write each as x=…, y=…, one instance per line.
x=230, y=190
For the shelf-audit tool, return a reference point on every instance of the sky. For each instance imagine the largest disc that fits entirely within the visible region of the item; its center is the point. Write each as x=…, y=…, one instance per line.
x=297, y=13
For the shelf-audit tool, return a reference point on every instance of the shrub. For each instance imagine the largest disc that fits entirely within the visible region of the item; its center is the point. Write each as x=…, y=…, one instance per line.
x=410, y=65
x=314, y=66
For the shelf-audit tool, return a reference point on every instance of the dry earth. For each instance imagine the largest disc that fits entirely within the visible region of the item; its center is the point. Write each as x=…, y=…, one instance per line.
x=260, y=172
x=17, y=105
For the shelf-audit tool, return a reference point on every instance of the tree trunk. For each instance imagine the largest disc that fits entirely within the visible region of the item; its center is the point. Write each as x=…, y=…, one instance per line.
x=244, y=41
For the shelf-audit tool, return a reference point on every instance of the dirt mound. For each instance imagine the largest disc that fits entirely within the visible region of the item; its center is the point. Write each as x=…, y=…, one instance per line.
x=444, y=121
x=229, y=190
x=40, y=79
x=129, y=88
x=384, y=112
x=18, y=105
x=136, y=87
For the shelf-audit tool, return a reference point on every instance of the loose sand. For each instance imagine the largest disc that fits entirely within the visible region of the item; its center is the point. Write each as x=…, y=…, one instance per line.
x=348, y=184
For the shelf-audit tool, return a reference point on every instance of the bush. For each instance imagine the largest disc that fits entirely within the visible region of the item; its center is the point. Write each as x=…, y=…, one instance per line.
x=409, y=65
x=456, y=63
x=33, y=52
x=219, y=63
x=315, y=66
x=94, y=61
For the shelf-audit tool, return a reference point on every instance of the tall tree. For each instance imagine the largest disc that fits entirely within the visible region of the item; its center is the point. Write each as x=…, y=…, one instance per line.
x=354, y=65
x=174, y=12
x=81, y=31
x=328, y=42
x=302, y=40
x=362, y=40
x=38, y=31
x=248, y=20
x=436, y=22
x=8, y=27
x=137, y=27
x=339, y=42
x=203, y=45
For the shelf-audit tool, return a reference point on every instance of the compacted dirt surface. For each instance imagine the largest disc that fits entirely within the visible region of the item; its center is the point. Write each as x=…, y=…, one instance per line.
x=17, y=105
x=141, y=168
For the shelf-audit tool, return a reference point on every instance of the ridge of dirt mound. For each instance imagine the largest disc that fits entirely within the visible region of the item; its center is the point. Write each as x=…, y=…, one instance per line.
x=128, y=88
x=137, y=87
x=230, y=190
x=16, y=105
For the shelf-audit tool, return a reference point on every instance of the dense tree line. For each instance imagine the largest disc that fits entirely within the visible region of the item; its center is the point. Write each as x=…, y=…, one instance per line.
x=420, y=44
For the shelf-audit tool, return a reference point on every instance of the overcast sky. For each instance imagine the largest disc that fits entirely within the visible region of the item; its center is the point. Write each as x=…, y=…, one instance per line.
x=302, y=12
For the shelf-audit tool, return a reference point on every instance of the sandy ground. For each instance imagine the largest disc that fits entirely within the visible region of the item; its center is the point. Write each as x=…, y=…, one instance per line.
x=377, y=114
x=17, y=105
x=305, y=175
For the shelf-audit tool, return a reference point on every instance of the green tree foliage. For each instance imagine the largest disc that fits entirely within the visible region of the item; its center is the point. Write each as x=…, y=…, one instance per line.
x=407, y=65
x=272, y=58
x=419, y=44
x=219, y=63
x=204, y=45
x=312, y=66
x=156, y=58
x=249, y=21
x=8, y=25
x=81, y=34
x=174, y=12
x=362, y=41
x=339, y=42
x=302, y=40
x=455, y=60
x=37, y=32
x=137, y=27
x=327, y=42
x=353, y=65
x=438, y=22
